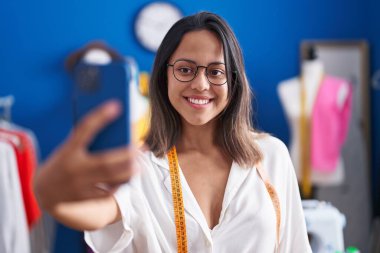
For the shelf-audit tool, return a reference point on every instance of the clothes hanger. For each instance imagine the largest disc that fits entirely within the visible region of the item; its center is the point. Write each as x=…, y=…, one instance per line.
x=6, y=106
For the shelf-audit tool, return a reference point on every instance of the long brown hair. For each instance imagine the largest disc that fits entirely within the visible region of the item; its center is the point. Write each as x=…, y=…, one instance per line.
x=234, y=131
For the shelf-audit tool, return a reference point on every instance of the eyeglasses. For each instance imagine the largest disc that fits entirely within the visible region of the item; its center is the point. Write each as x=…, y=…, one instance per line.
x=187, y=70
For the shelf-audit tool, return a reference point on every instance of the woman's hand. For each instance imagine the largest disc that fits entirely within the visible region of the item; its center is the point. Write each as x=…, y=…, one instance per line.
x=72, y=174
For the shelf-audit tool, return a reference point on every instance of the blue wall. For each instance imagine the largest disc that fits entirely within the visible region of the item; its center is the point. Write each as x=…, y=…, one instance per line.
x=36, y=36
x=374, y=35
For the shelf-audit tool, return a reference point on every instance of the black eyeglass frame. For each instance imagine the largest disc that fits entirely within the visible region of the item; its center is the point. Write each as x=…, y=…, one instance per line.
x=196, y=71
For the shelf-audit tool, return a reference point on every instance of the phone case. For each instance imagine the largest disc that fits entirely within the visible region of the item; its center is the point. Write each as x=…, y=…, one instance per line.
x=95, y=84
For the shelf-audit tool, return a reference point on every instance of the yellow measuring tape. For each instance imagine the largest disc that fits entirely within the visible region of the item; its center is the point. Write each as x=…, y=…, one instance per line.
x=304, y=123
x=305, y=141
x=179, y=210
x=275, y=201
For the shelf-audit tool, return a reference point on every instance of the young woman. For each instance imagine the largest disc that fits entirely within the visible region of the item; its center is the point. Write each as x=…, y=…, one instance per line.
x=232, y=190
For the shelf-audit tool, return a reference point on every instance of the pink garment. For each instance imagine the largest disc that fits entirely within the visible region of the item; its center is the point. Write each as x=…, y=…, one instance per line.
x=329, y=124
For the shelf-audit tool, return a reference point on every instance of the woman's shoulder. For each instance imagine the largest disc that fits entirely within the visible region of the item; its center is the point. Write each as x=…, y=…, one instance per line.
x=275, y=154
x=147, y=156
x=152, y=164
x=276, y=159
x=270, y=145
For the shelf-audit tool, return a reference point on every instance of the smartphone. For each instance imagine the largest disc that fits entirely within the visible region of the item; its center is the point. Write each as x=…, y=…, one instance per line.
x=95, y=84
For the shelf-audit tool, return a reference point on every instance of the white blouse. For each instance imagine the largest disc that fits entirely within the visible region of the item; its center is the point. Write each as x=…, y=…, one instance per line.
x=247, y=221
x=14, y=233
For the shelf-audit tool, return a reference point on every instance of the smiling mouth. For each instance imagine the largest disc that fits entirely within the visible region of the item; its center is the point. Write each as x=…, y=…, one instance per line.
x=197, y=101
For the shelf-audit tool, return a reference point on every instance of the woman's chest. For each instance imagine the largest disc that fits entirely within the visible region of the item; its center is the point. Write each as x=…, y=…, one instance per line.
x=207, y=182
x=247, y=223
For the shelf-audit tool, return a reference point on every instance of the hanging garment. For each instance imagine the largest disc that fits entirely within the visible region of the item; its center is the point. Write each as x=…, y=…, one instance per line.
x=14, y=235
x=41, y=227
x=329, y=123
x=41, y=230
x=27, y=164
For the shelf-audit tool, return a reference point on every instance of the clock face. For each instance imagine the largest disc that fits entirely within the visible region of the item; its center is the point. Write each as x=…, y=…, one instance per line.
x=153, y=22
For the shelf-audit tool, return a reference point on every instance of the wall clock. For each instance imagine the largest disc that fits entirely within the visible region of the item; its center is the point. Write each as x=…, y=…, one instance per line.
x=153, y=21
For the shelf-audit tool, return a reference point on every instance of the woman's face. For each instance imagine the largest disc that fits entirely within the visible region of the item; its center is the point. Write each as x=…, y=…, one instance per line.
x=197, y=101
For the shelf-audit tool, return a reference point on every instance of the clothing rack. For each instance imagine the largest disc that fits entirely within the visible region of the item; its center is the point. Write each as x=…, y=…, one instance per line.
x=34, y=235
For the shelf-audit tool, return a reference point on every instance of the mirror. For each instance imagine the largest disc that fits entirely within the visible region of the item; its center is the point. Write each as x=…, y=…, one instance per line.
x=349, y=60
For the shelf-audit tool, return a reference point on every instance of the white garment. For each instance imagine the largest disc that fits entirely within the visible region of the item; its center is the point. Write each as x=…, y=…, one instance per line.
x=14, y=235
x=289, y=92
x=247, y=221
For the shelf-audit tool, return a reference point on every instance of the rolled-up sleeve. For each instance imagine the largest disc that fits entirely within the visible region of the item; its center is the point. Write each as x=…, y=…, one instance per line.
x=117, y=236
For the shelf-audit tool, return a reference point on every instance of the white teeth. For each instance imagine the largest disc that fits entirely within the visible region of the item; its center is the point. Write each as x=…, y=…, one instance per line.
x=198, y=101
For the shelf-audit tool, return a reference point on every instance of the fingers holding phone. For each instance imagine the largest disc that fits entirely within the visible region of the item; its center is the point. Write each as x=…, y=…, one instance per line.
x=74, y=173
x=93, y=122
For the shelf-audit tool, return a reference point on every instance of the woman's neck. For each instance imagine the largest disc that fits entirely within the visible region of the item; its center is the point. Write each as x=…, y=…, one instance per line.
x=200, y=138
